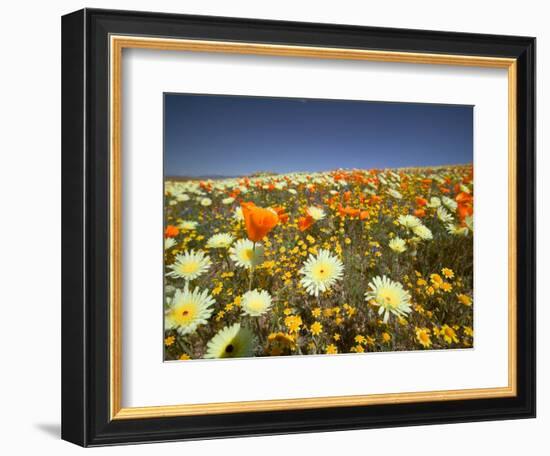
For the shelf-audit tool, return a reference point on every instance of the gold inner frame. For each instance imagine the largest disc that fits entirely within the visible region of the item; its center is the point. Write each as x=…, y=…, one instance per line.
x=117, y=44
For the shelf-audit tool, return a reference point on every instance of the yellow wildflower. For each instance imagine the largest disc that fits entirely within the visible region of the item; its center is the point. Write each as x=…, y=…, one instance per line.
x=448, y=334
x=293, y=323
x=316, y=328
x=423, y=337
x=464, y=299
x=169, y=341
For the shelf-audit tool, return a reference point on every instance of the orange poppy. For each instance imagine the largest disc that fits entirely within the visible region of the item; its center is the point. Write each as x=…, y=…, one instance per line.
x=363, y=215
x=419, y=213
x=283, y=216
x=464, y=198
x=465, y=205
x=348, y=211
x=171, y=231
x=205, y=186
x=235, y=193
x=421, y=201
x=305, y=222
x=375, y=199
x=258, y=221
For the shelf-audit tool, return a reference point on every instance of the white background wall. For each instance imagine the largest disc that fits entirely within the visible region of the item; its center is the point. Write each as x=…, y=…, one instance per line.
x=30, y=193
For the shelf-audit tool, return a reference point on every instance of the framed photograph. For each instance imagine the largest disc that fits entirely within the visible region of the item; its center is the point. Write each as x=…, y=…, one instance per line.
x=277, y=227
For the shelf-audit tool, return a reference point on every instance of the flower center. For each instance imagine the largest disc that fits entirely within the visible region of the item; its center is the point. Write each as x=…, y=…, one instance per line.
x=322, y=271
x=189, y=267
x=388, y=298
x=249, y=254
x=184, y=314
x=229, y=348
x=256, y=304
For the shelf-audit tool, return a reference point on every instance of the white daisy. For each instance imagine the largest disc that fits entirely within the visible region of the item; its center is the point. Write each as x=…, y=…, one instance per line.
x=183, y=197
x=409, y=221
x=206, y=202
x=423, y=232
x=231, y=342
x=228, y=200
x=456, y=230
x=321, y=272
x=389, y=296
x=220, y=241
x=169, y=243
x=449, y=203
x=443, y=215
x=434, y=202
x=247, y=255
x=256, y=302
x=469, y=220
x=397, y=245
x=188, y=225
x=316, y=213
x=394, y=193
x=187, y=310
x=189, y=265
x=238, y=214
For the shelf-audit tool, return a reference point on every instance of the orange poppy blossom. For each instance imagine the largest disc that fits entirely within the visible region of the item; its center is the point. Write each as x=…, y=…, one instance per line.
x=281, y=212
x=421, y=201
x=171, y=231
x=343, y=211
x=205, y=186
x=235, y=193
x=258, y=221
x=419, y=213
x=375, y=199
x=464, y=205
x=305, y=222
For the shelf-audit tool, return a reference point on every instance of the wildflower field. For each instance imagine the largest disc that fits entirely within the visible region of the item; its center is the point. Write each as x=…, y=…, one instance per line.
x=343, y=261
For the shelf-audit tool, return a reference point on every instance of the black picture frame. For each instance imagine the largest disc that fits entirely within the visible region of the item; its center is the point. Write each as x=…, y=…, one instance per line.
x=85, y=224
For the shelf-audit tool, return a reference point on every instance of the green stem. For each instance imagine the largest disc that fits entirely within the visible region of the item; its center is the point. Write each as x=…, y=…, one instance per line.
x=252, y=266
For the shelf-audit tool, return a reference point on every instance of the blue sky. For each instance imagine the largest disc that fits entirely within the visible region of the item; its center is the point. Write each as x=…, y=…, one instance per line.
x=235, y=135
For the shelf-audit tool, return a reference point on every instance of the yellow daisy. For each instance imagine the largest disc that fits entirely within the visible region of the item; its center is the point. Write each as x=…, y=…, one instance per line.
x=316, y=328
x=448, y=334
x=464, y=299
x=423, y=337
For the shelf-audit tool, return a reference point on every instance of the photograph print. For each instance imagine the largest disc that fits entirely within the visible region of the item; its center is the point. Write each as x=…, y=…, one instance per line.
x=298, y=226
